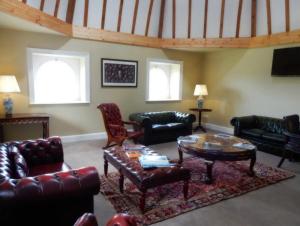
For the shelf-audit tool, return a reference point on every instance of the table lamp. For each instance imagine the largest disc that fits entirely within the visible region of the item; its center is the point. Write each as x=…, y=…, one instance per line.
x=200, y=91
x=8, y=84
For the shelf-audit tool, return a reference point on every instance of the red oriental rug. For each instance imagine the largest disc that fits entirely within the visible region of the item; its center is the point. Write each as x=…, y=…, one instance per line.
x=230, y=180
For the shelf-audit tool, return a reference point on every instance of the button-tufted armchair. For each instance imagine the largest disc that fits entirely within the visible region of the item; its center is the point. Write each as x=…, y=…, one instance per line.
x=38, y=188
x=115, y=126
x=89, y=219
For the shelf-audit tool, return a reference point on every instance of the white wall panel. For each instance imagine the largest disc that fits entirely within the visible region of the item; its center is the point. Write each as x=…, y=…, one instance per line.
x=168, y=23
x=154, y=22
x=112, y=14
x=294, y=14
x=49, y=7
x=181, y=19
x=78, y=13
x=213, y=18
x=62, y=10
x=127, y=15
x=95, y=12
x=245, y=26
x=197, y=18
x=262, y=19
x=278, y=15
x=230, y=18
x=141, y=18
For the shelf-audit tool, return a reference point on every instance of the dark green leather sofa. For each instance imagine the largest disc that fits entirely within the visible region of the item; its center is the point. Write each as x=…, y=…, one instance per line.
x=163, y=126
x=265, y=132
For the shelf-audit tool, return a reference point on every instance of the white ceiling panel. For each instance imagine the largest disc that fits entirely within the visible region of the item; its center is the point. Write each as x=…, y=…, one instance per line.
x=168, y=19
x=49, y=7
x=141, y=18
x=213, y=18
x=197, y=18
x=95, y=12
x=154, y=22
x=127, y=15
x=245, y=25
x=278, y=15
x=62, y=10
x=112, y=14
x=78, y=13
x=181, y=19
x=230, y=18
x=294, y=14
x=34, y=3
x=262, y=20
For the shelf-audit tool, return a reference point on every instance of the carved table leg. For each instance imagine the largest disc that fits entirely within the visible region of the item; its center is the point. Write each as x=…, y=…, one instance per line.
x=209, y=166
x=105, y=166
x=121, y=182
x=185, y=189
x=252, y=163
x=45, y=129
x=180, y=155
x=143, y=201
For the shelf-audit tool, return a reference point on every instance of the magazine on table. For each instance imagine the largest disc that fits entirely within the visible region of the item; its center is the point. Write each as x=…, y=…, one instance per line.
x=244, y=146
x=150, y=161
x=188, y=139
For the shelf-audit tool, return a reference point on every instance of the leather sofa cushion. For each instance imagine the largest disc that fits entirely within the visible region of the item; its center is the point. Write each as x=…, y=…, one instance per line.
x=272, y=125
x=169, y=126
x=48, y=168
x=161, y=117
x=274, y=137
x=253, y=132
x=21, y=168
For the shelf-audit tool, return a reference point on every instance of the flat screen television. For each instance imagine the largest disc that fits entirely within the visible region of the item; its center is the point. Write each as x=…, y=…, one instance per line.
x=286, y=62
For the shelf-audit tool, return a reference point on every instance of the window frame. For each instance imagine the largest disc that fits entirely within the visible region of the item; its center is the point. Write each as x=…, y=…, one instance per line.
x=84, y=55
x=156, y=60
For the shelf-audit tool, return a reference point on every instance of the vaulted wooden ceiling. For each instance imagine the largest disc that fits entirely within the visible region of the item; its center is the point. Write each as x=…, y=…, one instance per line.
x=167, y=23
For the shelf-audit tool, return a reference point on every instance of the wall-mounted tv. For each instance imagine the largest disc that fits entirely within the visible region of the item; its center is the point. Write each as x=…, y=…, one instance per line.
x=286, y=62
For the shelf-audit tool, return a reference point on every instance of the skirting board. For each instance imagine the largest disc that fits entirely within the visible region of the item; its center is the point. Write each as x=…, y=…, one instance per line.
x=102, y=135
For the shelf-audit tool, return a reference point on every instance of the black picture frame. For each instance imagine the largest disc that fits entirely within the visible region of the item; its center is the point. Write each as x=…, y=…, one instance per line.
x=119, y=73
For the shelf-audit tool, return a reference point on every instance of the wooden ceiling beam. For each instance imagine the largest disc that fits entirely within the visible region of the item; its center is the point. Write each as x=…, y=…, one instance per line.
x=238, y=20
x=70, y=11
x=205, y=19
x=161, y=18
x=287, y=15
x=190, y=19
x=86, y=13
x=174, y=19
x=222, y=19
x=136, y=7
x=120, y=15
x=269, y=18
x=253, y=18
x=148, y=17
x=57, y=3
x=103, y=14
x=42, y=5
x=24, y=1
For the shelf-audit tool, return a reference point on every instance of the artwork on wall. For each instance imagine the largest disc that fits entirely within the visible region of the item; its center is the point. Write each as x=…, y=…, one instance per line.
x=119, y=73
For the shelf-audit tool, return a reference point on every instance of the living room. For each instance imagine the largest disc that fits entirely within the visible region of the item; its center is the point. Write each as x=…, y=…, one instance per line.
x=238, y=81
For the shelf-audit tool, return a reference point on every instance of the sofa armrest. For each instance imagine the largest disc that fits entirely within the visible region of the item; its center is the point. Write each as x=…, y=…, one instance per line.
x=87, y=219
x=185, y=118
x=245, y=122
x=122, y=220
x=60, y=185
x=41, y=151
x=144, y=121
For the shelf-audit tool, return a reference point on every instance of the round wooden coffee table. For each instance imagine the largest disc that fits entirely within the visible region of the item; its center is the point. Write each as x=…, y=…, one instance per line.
x=212, y=147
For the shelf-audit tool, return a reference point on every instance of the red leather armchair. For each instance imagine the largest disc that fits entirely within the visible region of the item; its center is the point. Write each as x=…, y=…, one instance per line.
x=38, y=188
x=89, y=219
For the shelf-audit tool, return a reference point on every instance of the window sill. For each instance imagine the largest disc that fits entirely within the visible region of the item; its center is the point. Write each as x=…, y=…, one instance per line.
x=153, y=101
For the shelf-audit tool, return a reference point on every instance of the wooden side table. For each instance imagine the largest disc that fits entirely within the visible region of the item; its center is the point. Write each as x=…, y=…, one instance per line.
x=19, y=119
x=200, y=110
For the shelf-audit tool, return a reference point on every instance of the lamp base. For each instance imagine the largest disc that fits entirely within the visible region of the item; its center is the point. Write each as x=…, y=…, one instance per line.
x=8, y=105
x=200, y=103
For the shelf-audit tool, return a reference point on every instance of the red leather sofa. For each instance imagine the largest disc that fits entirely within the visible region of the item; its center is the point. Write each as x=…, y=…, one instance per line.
x=89, y=219
x=38, y=188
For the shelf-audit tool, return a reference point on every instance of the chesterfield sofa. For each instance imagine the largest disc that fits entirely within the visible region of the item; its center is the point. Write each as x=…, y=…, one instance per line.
x=265, y=132
x=164, y=126
x=38, y=188
x=89, y=219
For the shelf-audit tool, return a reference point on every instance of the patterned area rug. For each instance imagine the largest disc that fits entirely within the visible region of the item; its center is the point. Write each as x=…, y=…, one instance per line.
x=230, y=180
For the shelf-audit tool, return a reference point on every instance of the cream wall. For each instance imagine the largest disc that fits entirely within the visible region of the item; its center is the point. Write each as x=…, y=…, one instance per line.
x=84, y=118
x=240, y=83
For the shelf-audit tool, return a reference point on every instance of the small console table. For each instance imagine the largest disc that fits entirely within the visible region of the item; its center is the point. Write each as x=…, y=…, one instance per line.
x=19, y=119
x=200, y=110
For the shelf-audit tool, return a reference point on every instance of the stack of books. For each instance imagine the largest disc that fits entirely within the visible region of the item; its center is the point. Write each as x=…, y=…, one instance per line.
x=150, y=161
x=134, y=151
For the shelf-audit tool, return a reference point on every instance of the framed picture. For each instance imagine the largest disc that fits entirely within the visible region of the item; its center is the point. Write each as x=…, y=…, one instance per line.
x=118, y=73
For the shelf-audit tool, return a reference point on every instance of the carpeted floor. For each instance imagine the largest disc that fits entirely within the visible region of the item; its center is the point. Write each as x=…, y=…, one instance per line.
x=273, y=205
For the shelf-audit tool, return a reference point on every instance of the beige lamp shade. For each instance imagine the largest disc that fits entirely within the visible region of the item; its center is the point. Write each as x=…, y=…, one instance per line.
x=200, y=90
x=9, y=84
